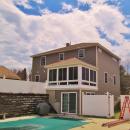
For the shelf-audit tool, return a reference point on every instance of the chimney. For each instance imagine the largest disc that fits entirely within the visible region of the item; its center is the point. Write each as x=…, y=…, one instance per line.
x=68, y=44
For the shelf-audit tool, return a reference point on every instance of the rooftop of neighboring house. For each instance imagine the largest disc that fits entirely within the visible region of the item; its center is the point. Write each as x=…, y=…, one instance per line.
x=70, y=47
x=8, y=74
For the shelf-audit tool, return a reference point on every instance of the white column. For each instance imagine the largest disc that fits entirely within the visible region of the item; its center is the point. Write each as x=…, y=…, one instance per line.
x=47, y=81
x=67, y=75
x=79, y=75
x=57, y=78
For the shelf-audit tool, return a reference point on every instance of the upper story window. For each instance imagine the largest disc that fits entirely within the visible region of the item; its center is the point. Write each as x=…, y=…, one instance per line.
x=114, y=80
x=105, y=77
x=61, y=56
x=43, y=60
x=37, y=78
x=81, y=53
x=52, y=75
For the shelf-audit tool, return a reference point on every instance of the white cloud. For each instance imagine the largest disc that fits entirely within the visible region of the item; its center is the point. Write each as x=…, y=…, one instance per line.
x=22, y=35
x=92, y=1
x=66, y=7
x=24, y=3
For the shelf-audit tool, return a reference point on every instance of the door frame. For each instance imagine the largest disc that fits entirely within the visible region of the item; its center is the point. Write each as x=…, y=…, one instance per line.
x=68, y=99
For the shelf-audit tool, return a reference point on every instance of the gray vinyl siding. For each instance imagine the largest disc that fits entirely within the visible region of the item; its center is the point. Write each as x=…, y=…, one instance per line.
x=107, y=64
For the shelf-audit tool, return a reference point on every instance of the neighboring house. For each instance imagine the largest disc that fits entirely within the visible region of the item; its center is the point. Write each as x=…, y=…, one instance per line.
x=87, y=68
x=7, y=74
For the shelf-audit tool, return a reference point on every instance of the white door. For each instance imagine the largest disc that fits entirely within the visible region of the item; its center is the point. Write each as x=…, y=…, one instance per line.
x=69, y=102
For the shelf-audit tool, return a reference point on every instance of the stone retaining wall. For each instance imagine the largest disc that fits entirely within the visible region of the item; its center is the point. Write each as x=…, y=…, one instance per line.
x=20, y=104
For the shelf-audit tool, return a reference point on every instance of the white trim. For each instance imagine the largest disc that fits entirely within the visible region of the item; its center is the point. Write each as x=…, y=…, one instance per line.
x=68, y=101
x=79, y=75
x=38, y=76
x=83, y=53
x=41, y=60
x=63, y=56
x=104, y=77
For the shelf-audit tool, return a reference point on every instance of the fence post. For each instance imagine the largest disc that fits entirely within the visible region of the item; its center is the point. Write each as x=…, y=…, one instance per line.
x=108, y=98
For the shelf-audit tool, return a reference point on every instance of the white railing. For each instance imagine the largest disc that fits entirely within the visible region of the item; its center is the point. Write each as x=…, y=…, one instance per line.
x=18, y=86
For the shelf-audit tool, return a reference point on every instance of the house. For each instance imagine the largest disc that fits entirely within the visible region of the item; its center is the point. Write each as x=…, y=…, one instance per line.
x=69, y=72
x=5, y=73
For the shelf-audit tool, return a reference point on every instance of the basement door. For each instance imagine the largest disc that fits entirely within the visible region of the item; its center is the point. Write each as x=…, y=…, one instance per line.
x=69, y=102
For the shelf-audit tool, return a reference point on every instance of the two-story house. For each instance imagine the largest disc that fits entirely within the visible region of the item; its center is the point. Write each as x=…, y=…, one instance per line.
x=87, y=68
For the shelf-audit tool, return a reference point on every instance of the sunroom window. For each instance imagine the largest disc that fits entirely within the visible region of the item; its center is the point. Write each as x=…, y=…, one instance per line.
x=53, y=76
x=62, y=76
x=73, y=75
x=85, y=76
x=92, y=78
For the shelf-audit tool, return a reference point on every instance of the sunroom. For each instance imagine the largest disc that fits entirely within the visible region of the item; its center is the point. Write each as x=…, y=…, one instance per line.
x=71, y=73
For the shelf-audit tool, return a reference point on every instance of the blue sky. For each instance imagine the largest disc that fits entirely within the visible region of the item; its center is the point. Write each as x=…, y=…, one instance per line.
x=32, y=26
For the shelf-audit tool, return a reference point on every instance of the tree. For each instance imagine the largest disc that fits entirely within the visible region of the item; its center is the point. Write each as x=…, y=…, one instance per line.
x=22, y=74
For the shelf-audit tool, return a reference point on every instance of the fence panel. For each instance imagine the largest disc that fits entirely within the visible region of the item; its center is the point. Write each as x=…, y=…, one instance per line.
x=98, y=105
x=17, y=86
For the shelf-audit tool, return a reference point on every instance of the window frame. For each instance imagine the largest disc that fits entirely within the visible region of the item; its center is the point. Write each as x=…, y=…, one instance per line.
x=41, y=60
x=62, y=55
x=83, y=53
x=105, y=77
x=38, y=76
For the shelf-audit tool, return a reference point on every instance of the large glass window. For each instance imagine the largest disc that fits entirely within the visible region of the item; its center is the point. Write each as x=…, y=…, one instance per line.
x=52, y=74
x=62, y=74
x=73, y=73
x=92, y=76
x=85, y=73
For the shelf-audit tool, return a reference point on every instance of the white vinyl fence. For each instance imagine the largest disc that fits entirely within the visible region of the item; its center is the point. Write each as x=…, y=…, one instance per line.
x=17, y=86
x=98, y=105
x=127, y=113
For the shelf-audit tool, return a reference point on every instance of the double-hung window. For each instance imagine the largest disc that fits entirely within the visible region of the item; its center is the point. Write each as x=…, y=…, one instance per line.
x=37, y=78
x=43, y=60
x=114, y=80
x=105, y=77
x=81, y=53
x=61, y=56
